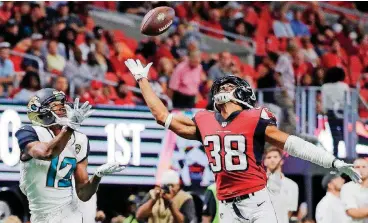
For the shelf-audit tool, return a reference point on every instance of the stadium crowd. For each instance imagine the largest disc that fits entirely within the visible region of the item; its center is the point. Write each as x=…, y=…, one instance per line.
x=293, y=48
x=73, y=49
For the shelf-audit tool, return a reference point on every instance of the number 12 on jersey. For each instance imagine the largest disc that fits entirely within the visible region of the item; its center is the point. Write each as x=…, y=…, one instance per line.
x=235, y=157
x=68, y=166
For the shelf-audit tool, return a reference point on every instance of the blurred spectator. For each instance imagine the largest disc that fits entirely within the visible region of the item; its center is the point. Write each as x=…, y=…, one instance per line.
x=54, y=34
x=210, y=206
x=221, y=69
x=188, y=34
x=30, y=19
x=125, y=97
x=37, y=43
x=318, y=76
x=68, y=36
x=133, y=7
x=266, y=79
x=55, y=62
x=282, y=27
x=28, y=86
x=167, y=203
x=5, y=12
x=333, y=102
x=185, y=81
x=6, y=68
x=232, y=13
x=72, y=20
x=298, y=26
x=148, y=47
x=133, y=201
x=88, y=45
x=94, y=68
x=314, y=17
x=300, y=67
x=306, y=80
x=355, y=195
x=11, y=34
x=214, y=23
x=101, y=57
x=284, y=192
x=330, y=209
x=164, y=50
x=78, y=72
x=336, y=57
x=285, y=78
x=165, y=69
x=61, y=84
x=308, y=51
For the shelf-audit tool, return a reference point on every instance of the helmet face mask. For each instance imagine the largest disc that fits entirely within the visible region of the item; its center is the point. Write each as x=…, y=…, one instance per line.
x=43, y=107
x=235, y=89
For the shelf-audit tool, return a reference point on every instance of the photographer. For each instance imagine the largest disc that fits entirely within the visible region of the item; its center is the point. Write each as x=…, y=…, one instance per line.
x=168, y=203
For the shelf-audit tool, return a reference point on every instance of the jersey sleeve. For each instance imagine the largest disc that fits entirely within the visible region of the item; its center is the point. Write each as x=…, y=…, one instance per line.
x=25, y=135
x=198, y=133
x=82, y=148
x=267, y=117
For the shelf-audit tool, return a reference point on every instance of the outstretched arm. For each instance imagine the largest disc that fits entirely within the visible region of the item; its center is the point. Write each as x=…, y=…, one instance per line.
x=300, y=148
x=31, y=146
x=180, y=124
x=87, y=187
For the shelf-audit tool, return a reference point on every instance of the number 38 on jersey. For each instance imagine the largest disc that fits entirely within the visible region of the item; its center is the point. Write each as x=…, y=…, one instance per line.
x=233, y=157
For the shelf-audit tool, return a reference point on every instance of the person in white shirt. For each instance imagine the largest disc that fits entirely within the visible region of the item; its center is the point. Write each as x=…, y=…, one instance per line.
x=285, y=80
x=283, y=191
x=333, y=100
x=355, y=195
x=330, y=209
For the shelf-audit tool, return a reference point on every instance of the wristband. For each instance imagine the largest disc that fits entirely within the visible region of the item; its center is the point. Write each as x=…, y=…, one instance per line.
x=168, y=121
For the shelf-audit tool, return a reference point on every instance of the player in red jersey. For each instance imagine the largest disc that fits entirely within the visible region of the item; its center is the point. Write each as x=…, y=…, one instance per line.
x=234, y=136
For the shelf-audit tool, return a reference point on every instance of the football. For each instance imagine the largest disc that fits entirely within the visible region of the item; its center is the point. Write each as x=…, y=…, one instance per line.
x=157, y=21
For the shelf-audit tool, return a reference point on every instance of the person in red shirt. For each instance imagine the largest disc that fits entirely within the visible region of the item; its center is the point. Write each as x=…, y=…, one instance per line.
x=117, y=60
x=336, y=57
x=125, y=97
x=5, y=12
x=164, y=50
x=233, y=137
x=214, y=23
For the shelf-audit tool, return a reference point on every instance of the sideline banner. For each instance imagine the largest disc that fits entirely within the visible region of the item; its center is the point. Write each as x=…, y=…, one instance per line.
x=131, y=135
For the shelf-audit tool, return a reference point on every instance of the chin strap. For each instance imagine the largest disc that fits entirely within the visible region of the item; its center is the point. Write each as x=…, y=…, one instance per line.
x=222, y=98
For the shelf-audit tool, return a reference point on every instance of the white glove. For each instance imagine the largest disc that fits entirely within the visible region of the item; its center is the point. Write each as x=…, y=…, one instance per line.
x=64, y=121
x=77, y=115
x=137, y=69
x=347, y=169
x=109, y=168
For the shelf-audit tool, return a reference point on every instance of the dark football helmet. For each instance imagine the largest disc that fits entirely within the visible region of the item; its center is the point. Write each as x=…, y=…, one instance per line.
x=243, y=93
x=39, y=110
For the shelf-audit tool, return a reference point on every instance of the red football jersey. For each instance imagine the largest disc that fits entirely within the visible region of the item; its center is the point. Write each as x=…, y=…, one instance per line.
x=234, y=148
